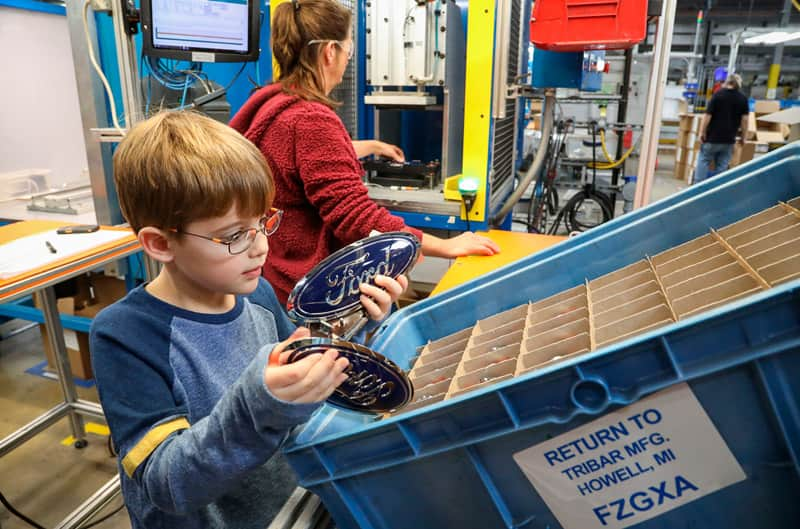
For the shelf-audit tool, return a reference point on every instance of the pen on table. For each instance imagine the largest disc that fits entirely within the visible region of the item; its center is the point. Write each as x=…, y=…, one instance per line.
x=50, y=247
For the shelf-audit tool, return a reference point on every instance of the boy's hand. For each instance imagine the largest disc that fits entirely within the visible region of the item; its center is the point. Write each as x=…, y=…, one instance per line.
x=377, y=300
x=312, y=379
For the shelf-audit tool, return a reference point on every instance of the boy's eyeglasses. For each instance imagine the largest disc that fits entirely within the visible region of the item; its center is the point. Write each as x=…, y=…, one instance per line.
x=338, y=43
x=242, y=240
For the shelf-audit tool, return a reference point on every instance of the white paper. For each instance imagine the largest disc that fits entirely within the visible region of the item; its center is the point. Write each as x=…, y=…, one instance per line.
x=31, y=252
x=633, y=464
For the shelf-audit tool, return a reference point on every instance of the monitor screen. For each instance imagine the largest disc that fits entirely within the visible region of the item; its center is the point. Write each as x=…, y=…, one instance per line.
x=201, y=30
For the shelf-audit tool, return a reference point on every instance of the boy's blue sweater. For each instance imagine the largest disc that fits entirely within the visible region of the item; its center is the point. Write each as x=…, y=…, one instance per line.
x=196, y=428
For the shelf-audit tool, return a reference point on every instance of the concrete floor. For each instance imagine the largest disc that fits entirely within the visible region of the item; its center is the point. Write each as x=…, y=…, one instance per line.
x=46, y=480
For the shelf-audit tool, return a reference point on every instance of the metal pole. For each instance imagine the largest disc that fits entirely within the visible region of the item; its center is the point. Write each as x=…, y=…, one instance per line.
x=655, y=97
x=777, y=58
x=55, y=335
x=87, y=509
x=126, y=63
x=93, y=116
x=622, y=117
x=735, y=38
x=692, y=74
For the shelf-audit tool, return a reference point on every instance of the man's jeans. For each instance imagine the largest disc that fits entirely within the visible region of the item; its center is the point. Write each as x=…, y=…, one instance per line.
x=719, y=153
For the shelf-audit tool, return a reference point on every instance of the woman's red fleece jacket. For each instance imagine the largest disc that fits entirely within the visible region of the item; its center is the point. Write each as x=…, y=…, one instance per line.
x=318, y=183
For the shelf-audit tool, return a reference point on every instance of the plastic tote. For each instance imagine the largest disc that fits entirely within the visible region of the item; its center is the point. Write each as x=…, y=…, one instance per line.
x=462, y=462
x=579, y=25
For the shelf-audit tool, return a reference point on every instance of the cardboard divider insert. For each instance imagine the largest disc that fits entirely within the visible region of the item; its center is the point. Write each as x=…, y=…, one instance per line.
x=501, y=319
x=715, y=295
x=482, y=377
x=508, y=328
x=499, y=341
x=698, y=283
x=638, y=323
x=698, y=275
x=549, y=337
x=752, y=221
x=578, y=292
x=533, y=328
x=775, y=254
x=621, y=312
x=792, y=233
x=696, y=269
x=557, y=309
x=422, y=401
x=612, y=289
x=431, y=390
x=451, y=360
x=685, y=260
x=622, y=273
x=555, y=351
x=431, y=354
x=783, y=270
x=434, y=376
x=632, y=294
x=763, y=230
x=495, y=357
x=683, y=249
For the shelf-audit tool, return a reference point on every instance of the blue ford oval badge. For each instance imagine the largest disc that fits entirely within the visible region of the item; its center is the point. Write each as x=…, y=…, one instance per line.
x=375, y=384
x=331, y=289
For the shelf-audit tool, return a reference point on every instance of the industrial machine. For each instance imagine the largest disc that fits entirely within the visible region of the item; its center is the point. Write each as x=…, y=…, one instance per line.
x=442, y=79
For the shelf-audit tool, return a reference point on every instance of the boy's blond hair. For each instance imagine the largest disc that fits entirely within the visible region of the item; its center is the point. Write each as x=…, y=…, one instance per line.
x=178, y=167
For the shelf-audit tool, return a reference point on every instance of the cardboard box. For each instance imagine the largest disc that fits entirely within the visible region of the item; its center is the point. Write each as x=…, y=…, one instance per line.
x=787, y=120
x=748, y=151
x=752, y=126
x=93, y=293
x=767, y=107
x=77, y=345
x=684, y=171
x=764, y=136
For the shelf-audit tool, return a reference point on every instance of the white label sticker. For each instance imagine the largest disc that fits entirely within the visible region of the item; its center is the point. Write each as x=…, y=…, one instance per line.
x=633, y=464
x=203, y=56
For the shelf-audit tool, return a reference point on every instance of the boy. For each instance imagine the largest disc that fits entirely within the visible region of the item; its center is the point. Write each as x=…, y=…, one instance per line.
x=181, y=362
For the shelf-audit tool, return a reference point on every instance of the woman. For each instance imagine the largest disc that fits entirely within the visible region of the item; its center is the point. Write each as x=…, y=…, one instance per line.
x=314, y=162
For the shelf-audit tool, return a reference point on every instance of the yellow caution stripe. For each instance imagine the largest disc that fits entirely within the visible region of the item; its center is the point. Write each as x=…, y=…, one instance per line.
x=89, y=427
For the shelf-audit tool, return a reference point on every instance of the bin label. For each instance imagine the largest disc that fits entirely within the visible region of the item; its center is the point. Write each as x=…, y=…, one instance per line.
x=632, y=464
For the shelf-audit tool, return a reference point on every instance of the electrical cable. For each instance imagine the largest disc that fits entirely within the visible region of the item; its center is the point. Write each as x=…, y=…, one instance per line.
x=18, y=514
x=589, y=194
x=36, y=525
x=796, y=4
x=613, y=164
x=99, y=70
x=545, y=196
x=536, y=166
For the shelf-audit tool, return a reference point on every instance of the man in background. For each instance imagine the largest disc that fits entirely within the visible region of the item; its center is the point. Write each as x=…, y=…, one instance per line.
x=725, y=115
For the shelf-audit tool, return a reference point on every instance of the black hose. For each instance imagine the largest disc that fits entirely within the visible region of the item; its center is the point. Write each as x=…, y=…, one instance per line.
x=587, y=195
x=18, y=514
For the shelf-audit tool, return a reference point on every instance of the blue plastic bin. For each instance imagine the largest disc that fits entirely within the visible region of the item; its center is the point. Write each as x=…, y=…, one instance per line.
x=450, y=464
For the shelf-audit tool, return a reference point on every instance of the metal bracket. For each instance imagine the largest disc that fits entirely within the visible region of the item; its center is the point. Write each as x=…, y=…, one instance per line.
x=108, y=134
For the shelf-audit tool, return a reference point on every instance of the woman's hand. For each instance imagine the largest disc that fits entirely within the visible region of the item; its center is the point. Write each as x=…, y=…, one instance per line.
x=366, y=148
x=467, y=243
x=390, y=151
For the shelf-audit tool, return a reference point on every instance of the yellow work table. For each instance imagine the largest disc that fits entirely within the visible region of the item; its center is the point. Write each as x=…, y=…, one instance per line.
x=513, y=247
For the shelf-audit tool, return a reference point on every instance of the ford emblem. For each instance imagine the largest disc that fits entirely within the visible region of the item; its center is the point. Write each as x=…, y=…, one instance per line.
x=331, y=289
x=374, y=384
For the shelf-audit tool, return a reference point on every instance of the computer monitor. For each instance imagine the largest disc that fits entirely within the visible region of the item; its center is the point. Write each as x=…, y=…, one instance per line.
x=201, y=30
